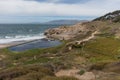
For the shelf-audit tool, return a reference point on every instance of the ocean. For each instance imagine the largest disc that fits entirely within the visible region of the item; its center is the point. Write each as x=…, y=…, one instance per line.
x=23, y=32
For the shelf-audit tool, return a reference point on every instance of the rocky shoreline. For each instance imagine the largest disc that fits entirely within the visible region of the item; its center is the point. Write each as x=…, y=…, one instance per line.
x=69, y=32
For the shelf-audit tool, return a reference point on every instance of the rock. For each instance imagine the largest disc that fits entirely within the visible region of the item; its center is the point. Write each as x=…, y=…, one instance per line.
x=2, y=57
x=67, y=33
x=87, y=76
x=74, y=73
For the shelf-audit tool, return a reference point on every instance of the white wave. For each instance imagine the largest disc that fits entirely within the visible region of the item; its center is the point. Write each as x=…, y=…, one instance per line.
x=10, y=39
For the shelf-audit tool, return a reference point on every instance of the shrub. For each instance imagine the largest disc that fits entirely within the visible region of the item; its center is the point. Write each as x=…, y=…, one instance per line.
x=81, y=72
x=33, y=71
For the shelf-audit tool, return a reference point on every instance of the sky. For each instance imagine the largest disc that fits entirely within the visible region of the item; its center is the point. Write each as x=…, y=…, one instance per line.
x=32, y=11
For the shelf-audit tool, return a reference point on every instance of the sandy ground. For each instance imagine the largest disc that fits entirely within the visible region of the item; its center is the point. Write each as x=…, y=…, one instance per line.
x=4, y=45
x=74, y=73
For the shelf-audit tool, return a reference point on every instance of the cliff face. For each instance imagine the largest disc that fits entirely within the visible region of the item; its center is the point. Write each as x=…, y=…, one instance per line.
x=104, y=24
x=82, y=30
x=67, y=33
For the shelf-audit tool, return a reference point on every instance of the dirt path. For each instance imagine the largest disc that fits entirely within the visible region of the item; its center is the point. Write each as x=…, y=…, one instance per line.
x=88, y=38
x=81, y=42
x=74, y=72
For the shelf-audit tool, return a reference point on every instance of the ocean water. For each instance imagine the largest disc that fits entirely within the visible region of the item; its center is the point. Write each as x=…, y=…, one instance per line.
x=41, y=43
x=23, y=32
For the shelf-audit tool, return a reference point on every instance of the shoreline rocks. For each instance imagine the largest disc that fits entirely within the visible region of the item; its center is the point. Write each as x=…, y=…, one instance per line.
x=69, y=32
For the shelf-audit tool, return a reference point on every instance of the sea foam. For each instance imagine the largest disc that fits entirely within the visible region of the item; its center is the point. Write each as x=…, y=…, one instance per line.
x=20, y=38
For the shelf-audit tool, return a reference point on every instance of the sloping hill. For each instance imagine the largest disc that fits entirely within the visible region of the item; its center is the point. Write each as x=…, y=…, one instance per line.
x=98, y=58
x=112, y=16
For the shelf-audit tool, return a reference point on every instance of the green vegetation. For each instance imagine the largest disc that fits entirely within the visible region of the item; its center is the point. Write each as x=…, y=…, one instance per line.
x=31, y=64
x=81, y=72
x=113, y=16
x=29, y=72
x=103, y=49
x=100, y=54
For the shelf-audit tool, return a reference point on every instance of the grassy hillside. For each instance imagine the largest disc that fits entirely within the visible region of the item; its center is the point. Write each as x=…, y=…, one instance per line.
x=100, y=56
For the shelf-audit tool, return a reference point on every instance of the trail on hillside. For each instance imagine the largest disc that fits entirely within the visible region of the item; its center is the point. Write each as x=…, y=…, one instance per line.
x=74, y=72
x=88, y=38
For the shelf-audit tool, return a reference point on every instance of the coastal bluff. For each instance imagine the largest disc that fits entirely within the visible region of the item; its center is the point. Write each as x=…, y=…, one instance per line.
x=69, y=32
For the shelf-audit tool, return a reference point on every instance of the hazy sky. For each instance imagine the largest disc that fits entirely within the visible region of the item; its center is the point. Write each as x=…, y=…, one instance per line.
x=24, y=11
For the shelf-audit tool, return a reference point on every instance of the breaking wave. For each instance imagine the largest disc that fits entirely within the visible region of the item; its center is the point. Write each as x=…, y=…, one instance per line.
x=18, y=38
